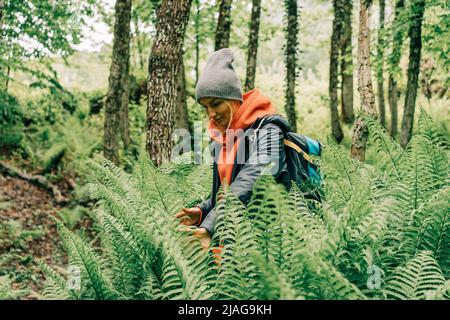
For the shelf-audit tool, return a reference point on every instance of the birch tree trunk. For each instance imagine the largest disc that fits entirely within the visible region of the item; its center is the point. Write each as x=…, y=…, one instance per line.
x=336, y=129
x=124, y=119
x=139, y=43
x=380, y=65
x=223, y=25
x=252, y=52
x=365, y=89
x=163, y=70
x=347, y=113
x=197, y=39
x=118, y=72
x=2, y=7
x=181, y=114
x=397, y=41
x=415, y=36
x=291, y=61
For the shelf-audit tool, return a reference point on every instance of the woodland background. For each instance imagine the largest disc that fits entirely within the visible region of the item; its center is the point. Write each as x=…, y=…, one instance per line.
x=85, y=79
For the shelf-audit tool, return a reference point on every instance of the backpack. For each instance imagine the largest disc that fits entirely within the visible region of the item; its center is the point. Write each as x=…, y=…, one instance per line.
x=303, y=170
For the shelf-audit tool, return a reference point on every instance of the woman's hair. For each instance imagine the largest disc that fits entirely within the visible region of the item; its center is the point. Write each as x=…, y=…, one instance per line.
x=230, y=103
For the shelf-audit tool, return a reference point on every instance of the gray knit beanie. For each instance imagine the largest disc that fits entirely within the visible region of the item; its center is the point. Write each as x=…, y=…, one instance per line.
x=218, y=79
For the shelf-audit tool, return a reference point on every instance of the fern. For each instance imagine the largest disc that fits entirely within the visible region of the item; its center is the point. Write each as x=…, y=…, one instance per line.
x=418, y=278
x=429, y=229
x=235, y=273
x=83, y=257
x=55, y=286
x=392, y=213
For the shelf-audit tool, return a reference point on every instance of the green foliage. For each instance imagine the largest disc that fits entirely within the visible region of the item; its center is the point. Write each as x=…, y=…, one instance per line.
x=10, y=121
x=64, y=145
x=436, y=34
x=420, y=276
x=39, y=28
x=391, y=217
x=6, y=292
x=13, y=234
x=71, y=217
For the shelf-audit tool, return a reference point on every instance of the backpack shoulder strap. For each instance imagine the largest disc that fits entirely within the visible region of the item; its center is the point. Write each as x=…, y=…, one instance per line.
x=270, y=119
x=298, y=149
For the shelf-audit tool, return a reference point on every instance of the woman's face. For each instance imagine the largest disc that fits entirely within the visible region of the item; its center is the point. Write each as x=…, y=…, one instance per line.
x=218, y=109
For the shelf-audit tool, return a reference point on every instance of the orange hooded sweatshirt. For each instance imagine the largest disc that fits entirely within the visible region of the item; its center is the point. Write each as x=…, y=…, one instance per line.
x=254, y=106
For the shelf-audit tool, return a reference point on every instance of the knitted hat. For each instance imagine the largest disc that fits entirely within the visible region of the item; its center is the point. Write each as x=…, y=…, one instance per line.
x=218, y=79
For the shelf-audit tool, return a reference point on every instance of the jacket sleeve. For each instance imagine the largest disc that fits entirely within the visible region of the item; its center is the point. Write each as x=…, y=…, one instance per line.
x=269, y=149
x=205, y=206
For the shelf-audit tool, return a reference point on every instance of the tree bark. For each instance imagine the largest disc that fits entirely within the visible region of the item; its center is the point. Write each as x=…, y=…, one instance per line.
x=119, y=68
x=139, y=43
x=163, y=69
x=181, y=114
x=415, y=36
x=8, y=73
x=336, y=129
x=347, y=113
x=380, y=65
x=124, y=121
x=197, y=39
x=2, y=7
x=223, y=25
x=365, y=89
x=397, y=41
x=252, y=52
x=291, y=61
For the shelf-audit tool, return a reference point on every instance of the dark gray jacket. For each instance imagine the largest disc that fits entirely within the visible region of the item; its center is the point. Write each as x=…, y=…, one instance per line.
x=263, y=145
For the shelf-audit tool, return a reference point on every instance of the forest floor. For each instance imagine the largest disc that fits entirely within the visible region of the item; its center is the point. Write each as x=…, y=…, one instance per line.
x=28, y=234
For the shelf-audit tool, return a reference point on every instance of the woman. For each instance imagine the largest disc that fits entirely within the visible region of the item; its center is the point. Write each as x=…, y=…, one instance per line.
x=246, y=134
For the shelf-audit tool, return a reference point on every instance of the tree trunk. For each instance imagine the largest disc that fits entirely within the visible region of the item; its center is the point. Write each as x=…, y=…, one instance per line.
x=291, y=61
x=252, y=52
x=393, y=104
x=197, y=39
x=360, y=132
x=397, y=41
x=181, y=114
x=119, y=66
x=336, y=129
x=2, y=7
x=380, y=65
x=138, y=41
x=415, y=36
x=163, y=69
x=8, y=73
x=124, y=121
x=347, y=113
x=223, y=25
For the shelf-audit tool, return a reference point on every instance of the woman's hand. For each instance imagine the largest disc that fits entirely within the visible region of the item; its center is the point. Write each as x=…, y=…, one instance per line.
x=203, y=235
x=200, y=233
x=189, y=216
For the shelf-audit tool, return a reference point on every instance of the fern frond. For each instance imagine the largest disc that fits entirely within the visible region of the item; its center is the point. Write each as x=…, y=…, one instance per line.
x=385, y=145
x=81, y=255
x=430, y=229
x=55, y=286
x=235, y=273
x=416, y=279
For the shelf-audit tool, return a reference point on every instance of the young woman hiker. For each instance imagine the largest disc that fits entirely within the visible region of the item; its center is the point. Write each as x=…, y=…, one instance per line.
x=238, y=159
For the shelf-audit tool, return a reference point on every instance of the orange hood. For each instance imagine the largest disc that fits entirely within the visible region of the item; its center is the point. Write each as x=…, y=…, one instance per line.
x=254, y=106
